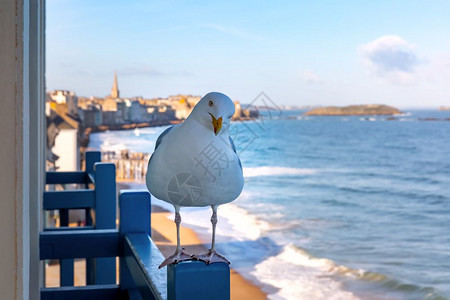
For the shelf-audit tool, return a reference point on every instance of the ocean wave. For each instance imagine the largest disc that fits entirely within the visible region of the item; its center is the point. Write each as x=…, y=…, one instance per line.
x=276, y=171
x=298, y=275
x=235, y=222
x=114, y=147
x=244, y=226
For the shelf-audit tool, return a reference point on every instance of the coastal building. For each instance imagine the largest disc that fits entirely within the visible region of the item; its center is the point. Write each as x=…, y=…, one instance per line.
x=92, y=116
x=122, y=111
x=115, y=88
x=66, y=143
x=109, y=104
x=65, y=97
x=182, y=109
x=181, y=104
x=164, y=114
x=138, y=112
x=112, y=106
x=249, y=112
x=238, y=110
x=109, y=118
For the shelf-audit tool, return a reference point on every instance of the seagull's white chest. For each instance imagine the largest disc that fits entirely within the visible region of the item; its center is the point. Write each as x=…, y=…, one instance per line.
x=195, y=168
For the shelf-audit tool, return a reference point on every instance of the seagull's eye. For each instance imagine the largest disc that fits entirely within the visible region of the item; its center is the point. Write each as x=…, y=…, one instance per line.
x=210, y=103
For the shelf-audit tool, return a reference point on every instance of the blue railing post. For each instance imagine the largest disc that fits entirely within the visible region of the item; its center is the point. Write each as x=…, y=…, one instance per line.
x=66, y=272
x=105, y=216
x=197, y=280
x=135, y=214
x=91, y=157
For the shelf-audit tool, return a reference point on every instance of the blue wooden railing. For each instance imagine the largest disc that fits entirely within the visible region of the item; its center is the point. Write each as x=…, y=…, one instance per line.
x=100, y=242
x=99, y=202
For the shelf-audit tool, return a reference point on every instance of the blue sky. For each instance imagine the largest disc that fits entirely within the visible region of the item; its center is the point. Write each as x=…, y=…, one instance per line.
x=297, y=52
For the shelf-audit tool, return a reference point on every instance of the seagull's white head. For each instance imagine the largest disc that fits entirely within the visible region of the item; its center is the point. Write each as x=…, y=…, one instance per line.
x=213, y=110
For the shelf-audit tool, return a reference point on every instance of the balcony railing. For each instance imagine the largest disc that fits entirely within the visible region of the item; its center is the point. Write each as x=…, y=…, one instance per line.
x=100, y=242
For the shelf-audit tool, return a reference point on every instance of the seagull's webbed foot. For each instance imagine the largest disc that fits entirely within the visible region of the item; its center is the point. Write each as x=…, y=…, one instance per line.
x=177, y=257
x=210, y=257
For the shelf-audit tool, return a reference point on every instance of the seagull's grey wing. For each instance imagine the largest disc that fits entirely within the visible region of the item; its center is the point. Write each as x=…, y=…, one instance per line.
x=234, y=150
x=160, y=139
x=161, y=136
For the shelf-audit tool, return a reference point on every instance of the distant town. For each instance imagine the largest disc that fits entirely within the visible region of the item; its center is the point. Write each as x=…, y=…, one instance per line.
x=115, y=112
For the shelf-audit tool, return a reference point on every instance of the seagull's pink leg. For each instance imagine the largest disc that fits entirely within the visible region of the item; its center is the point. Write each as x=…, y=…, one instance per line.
x=212, y=256
x=179, y=254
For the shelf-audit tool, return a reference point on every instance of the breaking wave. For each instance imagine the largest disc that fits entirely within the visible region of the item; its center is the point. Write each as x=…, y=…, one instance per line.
x=276, y=171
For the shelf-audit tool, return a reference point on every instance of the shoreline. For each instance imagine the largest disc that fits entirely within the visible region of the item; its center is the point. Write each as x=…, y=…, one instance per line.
x=164, y=236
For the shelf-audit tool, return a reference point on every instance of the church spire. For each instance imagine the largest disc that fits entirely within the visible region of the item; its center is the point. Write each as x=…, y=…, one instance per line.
x=115, y=88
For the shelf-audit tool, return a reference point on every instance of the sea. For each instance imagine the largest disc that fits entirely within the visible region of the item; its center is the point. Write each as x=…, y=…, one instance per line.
x=342, y=207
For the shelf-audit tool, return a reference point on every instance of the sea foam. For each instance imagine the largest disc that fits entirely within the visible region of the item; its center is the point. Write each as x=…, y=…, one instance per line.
x=298, y=275
x=276, y=171
x=235, y=223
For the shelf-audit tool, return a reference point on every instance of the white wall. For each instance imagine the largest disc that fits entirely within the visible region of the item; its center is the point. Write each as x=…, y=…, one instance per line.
x=66, y=147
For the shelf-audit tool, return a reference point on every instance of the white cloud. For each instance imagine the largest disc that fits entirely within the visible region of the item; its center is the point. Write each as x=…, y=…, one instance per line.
x=391, y=58
x=310, y=77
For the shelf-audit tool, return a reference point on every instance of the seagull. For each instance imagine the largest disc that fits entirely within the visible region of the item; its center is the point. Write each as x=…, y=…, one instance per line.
x=195, y=164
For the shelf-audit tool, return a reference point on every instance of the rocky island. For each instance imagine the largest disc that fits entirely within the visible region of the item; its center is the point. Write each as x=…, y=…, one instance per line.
x=354, y=110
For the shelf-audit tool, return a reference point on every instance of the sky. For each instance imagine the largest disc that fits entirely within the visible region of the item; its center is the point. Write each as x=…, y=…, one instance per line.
x=296, y=52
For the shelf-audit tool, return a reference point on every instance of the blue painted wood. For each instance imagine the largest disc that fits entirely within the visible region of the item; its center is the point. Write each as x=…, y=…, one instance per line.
x=63, y=216
x=197, y=280
x=79, y=244
x=134, y=217
x=65, y=265
x=88, y=217
x=97, y=292
x=133, y=294
x=66, y=228
x=92, y=157
x=66, y=177
x=105, y=216
x=72, y=199
x=135, y=212
x=139, y=264
x=65, y=200
x=105, y=196
x=142, y=258
x=90, y=271
x=66, y=272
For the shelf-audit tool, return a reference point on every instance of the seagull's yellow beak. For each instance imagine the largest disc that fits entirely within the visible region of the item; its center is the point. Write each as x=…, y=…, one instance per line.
x=217, y=124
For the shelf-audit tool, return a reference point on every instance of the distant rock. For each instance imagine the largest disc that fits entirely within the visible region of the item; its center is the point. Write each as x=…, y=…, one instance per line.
x=354, y=110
